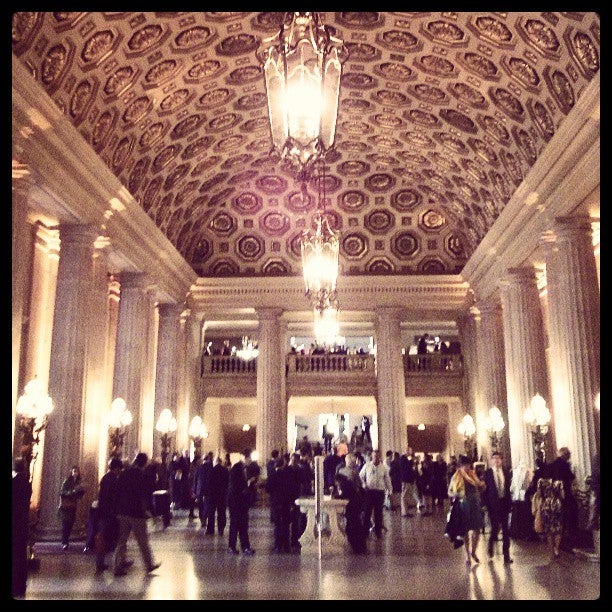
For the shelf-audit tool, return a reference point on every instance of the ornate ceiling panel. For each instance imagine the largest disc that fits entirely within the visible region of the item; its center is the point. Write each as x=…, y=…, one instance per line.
x=441, y=117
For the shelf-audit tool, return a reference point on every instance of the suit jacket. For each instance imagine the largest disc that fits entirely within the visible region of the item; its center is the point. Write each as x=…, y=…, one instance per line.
x=492, y=500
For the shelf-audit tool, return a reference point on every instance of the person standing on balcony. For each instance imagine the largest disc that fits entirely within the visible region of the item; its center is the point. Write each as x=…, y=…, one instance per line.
x=422, y=350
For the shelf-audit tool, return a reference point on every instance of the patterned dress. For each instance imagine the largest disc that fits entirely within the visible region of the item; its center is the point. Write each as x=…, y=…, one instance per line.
x=552, y=505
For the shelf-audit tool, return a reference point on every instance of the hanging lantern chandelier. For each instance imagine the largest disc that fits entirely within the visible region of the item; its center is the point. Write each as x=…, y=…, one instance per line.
x=302, y=65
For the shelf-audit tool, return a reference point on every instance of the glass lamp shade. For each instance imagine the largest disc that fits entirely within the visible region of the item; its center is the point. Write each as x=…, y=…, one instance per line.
x=495, y=423
x=119, y=415
x=302, y=65
x=320, y=250
x=326, y=325
x=166, y=423
x=537, y=414
x=34, y=403
x=466, y=426
x=197, y=429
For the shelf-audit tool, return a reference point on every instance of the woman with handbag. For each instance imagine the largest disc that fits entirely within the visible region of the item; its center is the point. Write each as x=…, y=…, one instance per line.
x=466, y=486
x=70, y=493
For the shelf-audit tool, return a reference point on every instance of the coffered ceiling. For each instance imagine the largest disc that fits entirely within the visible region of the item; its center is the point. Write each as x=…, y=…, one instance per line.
x=441, y=116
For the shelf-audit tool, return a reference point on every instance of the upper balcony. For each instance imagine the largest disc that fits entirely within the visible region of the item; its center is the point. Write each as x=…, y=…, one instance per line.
x=334, y=373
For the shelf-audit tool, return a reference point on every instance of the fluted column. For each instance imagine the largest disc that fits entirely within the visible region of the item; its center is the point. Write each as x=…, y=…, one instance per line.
x=493, y=367
x=190, y=394
x=21, y=255
x=469, y=331
x=390, y=385
x=574, y=320
x=271, y=395
x=63, y=439
x=168, y=361
x=97, y=396
x=130, y=370
x=524, y=351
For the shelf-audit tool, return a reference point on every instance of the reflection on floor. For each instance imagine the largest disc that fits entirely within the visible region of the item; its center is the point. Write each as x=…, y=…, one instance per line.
x=413, y=560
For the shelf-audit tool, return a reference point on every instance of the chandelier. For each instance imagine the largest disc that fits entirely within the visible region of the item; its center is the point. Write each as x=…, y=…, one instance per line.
x=302, y=65
x=249, y=349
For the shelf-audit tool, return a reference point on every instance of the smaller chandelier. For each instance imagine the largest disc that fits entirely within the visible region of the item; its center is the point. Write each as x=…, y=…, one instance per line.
x=326, y=325
x=302, y=64
x=249, y=349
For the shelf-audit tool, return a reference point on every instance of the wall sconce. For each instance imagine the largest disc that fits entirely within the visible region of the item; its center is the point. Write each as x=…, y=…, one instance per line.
x=467, y=429
x=33, y=408
x=246, y=427
x=537, y=415
x=119, y=417
x=166, y=425
x=494, y=424
x=597, y=402
x=421, y=426
x=197, y=432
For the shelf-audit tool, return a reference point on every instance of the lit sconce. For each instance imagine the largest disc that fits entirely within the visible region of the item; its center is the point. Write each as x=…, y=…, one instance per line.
x=467, y=429
x=33, y=408
x=119, y=418
x=421, y=426
x=197, y=432
x=537, y=415
x=495, y=425
x=597, y=402
x=166, y=425
x=246, y=427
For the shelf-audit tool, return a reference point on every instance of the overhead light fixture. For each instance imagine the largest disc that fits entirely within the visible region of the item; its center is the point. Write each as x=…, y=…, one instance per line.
x=302, y=65
x=249, y=349
x=326, y=325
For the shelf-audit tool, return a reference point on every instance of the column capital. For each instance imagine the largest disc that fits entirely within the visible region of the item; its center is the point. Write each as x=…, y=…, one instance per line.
x=389, y=312
x=565, y=227
x=78, y=233
x=170, y=310
x=522, y=275
x=133, y=280
x=269, y=314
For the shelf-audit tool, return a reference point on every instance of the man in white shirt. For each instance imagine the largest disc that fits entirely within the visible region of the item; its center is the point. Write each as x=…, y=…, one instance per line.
x=375, y=476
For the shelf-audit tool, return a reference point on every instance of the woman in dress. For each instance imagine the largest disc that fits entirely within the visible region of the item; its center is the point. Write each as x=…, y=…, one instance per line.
x=466, y=486
x=547, y=502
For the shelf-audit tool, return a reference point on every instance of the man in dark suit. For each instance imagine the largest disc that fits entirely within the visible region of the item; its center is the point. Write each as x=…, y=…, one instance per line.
x=499, y=503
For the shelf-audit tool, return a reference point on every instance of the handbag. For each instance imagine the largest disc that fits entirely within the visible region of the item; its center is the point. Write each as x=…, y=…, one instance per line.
x=453, y=530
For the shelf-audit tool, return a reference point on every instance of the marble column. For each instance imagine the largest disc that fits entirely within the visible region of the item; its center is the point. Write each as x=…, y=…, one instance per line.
x=524, y=352
x=574, y=329
x=130, y=372
x=271, y=390
x=493, y=368
x=97, y=397
x=21, y=257
x=390, y=382
x=469, y=331
x=67, y=374
x=168, y=362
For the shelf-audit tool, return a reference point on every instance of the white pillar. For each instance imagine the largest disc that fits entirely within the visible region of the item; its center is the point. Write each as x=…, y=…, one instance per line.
x=167, y=364
x=574, y=320
x=271, y=394
x=390, y=381
x=524, y=351
x=493, y=367
x=130, y=370
x=469, y=330
x=67, y=375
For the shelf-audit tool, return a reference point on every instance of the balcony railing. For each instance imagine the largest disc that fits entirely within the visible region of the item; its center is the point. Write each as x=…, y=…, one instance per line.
x=434, y=363
x=330, y=362
x=217, y=364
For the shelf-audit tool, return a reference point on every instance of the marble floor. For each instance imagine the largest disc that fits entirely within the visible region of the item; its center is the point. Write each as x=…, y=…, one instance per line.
x=412, y=561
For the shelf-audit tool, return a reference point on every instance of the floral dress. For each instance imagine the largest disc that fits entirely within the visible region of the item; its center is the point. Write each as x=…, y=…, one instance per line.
x=552, y=505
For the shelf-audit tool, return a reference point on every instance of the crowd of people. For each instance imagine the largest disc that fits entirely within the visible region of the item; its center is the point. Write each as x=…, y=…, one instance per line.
x=412, y=483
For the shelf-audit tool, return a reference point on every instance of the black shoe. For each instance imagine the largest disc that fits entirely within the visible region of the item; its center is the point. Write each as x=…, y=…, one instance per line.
x=508, y=560
x=101, y=568
x=153, y=567
x=490, y=552
x=120, y=572
x=209, y=532
x=249, y=552
x=232, y=551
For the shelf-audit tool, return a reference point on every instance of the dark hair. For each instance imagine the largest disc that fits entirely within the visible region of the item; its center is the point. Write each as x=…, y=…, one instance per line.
x=141, y=460
x=246, y=452
x=464, y=460
x=115, y=464
x=499, y=453
x=275, y=453
x=19, y=464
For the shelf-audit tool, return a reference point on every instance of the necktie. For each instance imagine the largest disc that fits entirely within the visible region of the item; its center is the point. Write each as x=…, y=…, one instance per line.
x=500, y=484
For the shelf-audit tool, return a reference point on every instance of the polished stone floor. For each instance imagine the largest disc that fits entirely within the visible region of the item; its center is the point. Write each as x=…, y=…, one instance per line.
x=413, y=561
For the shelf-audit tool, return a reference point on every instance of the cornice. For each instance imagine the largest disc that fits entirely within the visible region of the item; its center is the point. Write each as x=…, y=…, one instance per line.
x=75, y=185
